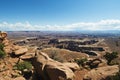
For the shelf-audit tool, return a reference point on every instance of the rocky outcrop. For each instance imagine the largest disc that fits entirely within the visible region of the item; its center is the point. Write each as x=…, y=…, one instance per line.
x=9, y=47
x=49, y=69
x=27, y=56
x=20, y=51
x=72, y=66
x=45, y=67
x=101, y=73
x=14, y=49
x=6, y=42
x=3, y=35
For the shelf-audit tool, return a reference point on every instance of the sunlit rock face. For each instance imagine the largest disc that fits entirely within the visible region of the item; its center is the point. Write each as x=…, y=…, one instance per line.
x=50, y=69
x=3, y=35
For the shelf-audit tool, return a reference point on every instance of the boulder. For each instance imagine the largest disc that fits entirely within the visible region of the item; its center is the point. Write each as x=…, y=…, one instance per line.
x=27, y=56
x=50, y=69
x=56, y=71
x=20, y=51
x=101, y=73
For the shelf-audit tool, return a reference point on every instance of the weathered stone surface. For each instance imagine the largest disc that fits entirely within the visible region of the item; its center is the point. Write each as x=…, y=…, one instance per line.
x=49, y=69
x=5, y=42
x=72, y=66
x=101, y=73
x=27, y=56
x=20, y=51
x=56, y=71
x=8, y=49
x=15, y=47
x=3, y=34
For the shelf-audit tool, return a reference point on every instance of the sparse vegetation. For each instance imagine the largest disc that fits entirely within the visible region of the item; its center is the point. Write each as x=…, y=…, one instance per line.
x=110, y=56
x=26, y=69
x=2, y=53
x=1, y=46
x=23, y=66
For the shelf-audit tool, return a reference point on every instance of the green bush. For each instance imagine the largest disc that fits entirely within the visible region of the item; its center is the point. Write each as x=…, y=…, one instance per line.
x=23, y=66
x=1, y=46
x=110, y=56
x=2, y=53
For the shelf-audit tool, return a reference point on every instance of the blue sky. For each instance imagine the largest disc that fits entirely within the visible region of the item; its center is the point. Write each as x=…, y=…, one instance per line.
x=59, y=14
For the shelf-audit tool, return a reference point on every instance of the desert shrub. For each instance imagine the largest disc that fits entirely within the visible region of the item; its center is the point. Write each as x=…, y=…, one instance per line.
x=1, y=46
x=2, y=53
x=23, y=66
x=110, y=56
x=26, y=69
x=80, y=62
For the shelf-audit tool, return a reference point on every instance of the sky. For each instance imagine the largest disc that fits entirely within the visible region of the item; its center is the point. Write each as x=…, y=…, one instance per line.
x=59, y=15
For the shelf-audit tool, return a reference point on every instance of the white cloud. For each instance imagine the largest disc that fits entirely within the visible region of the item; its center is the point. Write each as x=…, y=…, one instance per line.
x=100, y=25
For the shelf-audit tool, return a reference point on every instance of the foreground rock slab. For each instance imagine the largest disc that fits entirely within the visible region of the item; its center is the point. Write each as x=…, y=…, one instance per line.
x=50, y=69
x=21, y=51
x=27, y=56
